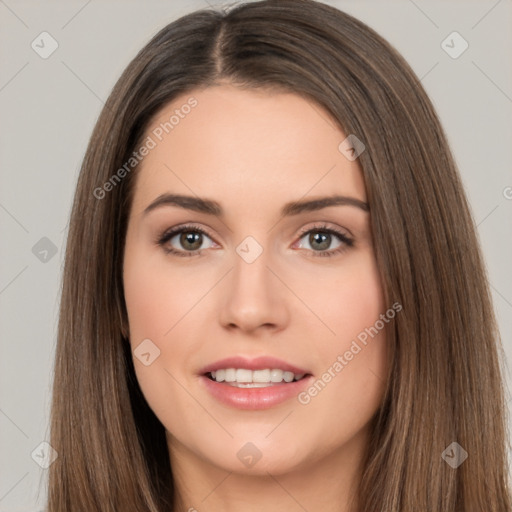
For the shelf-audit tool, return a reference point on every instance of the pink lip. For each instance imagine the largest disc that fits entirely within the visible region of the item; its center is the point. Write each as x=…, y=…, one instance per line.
x=254, y=398
x=258, y=363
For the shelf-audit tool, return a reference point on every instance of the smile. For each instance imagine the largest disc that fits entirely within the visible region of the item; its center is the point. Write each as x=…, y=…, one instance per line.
x=253, y=383
x=245, y=378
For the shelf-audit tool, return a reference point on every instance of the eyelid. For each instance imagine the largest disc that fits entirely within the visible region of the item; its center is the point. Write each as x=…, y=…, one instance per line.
x=327, y=226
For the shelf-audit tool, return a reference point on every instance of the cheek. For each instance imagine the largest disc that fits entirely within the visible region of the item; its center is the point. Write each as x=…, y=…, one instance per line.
x=162, y=306
x=148, y=307
x=352, y=361
x=156, y=303
x=156, y=296
x=347, y=300
x=359, y=326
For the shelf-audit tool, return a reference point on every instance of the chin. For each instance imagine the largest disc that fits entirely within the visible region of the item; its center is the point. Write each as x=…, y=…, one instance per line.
x=247, y=459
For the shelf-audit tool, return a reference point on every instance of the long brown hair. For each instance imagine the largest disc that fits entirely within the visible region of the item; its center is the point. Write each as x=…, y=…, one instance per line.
x=445, y=382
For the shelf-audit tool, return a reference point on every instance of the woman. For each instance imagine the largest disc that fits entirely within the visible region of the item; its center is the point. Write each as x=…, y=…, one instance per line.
x=242, y=371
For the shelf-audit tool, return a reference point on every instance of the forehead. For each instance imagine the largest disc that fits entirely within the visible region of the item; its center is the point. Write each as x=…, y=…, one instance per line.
x=232, y=142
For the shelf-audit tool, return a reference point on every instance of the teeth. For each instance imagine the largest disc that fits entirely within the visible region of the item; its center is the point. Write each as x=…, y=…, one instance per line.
x=261, y=376
x=276, y=375
x=230, y=375
x=288, y=376
x=243, y=375
x=256, y=377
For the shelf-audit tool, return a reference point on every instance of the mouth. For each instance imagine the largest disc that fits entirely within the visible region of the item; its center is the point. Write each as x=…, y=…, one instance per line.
x=246, y=378
x=260, y=383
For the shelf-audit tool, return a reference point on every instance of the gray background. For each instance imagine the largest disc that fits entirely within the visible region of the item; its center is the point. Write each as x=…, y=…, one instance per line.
x=48, y=108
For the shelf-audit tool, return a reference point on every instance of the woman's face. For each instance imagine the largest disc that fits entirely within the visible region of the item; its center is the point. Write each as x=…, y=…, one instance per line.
x=278, y=288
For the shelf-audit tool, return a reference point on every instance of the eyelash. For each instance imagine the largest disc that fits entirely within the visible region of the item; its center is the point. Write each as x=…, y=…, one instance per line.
x=169, y=234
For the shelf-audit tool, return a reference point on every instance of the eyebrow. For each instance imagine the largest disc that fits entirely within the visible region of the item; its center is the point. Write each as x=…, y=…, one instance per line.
x=211, y=207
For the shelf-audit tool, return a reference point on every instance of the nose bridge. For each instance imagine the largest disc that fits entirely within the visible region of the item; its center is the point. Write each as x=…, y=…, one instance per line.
x=251, y=262
x=253, y=296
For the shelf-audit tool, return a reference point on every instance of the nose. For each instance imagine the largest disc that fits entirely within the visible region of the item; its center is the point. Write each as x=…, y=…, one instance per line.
x=253, y=297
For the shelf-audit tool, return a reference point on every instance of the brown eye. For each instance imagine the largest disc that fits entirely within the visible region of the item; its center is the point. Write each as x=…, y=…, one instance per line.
x=320, y=239
x=184, y=241
x=191, y=240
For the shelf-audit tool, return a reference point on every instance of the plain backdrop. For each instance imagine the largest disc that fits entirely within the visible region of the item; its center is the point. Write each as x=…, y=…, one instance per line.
x=48, y=107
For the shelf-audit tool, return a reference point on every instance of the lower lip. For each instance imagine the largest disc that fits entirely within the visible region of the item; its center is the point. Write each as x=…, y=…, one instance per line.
x=254, y=398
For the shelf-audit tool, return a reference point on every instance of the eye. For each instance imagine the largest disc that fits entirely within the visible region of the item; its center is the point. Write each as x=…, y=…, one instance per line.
x=320, y=238
x=190, y=238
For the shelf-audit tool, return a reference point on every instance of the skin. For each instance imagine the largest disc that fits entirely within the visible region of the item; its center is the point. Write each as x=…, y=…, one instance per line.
x=254, y=151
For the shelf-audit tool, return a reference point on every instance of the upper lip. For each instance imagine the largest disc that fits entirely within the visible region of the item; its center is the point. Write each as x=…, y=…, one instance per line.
x=258, y=363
